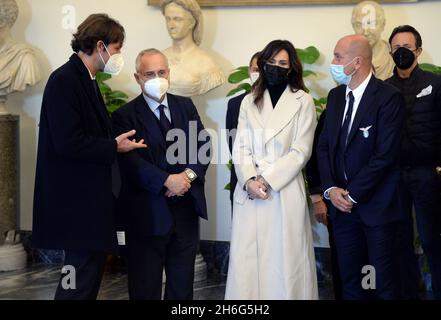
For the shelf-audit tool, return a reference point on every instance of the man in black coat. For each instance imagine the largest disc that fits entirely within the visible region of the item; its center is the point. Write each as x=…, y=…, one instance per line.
x=73, y=200
x=162, y=195
x=233, y=117
x=420, y=157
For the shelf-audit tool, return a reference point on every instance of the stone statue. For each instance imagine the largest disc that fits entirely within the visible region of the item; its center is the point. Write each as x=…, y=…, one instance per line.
x=368, y=19
x=18, y=66
x=192, y=70
x=18, y=69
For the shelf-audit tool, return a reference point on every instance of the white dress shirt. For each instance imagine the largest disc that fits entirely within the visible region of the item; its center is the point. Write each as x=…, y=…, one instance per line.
x=358, y=94
x=90, y=73
x=154, y=106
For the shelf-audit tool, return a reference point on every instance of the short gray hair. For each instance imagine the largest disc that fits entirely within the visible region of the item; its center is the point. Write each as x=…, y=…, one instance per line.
x=195, y=10
x=8, y=13
x=145, y=52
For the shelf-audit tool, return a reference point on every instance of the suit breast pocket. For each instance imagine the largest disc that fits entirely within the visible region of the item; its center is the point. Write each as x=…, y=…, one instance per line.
x=366, y=132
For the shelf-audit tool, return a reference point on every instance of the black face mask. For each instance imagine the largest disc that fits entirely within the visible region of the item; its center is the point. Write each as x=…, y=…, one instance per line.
x=275, y=75
x=403, y=58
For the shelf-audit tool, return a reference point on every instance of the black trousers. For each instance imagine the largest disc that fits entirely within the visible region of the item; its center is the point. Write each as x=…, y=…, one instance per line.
x=336, y=280
x=86, y=270
x=148, y=257
x=421, y=188
x=359, y=245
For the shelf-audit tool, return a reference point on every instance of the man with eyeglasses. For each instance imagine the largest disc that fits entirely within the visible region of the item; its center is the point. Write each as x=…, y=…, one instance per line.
x=420, y=157
x=162, y=194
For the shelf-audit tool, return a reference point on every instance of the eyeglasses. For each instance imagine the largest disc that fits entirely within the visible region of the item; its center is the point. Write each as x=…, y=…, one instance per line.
x=395, y=48
x=152, y=74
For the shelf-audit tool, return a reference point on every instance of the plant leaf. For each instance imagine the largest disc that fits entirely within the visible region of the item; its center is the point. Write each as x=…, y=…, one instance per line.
x=117, y=95
x=323, y=100
x=230, y=165
x=104, y=88
x=320, y=102
x=431, y=68
x=242, y=86
x=308, y=55
x=228, y=187
x=112, y=108
x=102, y=76
x=238, y=75
x=118, y=102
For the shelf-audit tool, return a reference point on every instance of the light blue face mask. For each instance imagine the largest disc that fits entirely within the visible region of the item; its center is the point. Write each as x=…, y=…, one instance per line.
x=338, y=73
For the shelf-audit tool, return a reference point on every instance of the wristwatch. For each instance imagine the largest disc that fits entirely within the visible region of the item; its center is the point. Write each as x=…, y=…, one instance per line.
x=190, y=174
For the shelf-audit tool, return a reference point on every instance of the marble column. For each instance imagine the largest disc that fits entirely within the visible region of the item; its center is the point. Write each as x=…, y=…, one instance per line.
x=9, y=173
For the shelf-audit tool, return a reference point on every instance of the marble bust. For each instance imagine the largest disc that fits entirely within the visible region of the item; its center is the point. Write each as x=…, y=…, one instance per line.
x=368, y=19
x=18, y=66
x=193, y=70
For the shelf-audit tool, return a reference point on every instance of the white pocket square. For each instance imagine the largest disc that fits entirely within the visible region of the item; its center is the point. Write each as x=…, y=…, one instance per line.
x=425, y=92
x=365, y=131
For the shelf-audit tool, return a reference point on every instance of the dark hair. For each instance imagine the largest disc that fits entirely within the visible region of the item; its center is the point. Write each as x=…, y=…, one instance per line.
x=407, y=28
x=295, y=76
x=255, y=56
x=95, y=28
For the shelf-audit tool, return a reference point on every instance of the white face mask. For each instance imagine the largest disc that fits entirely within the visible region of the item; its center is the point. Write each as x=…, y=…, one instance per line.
x=156, y=88
x=115, y=63
x=254, y=76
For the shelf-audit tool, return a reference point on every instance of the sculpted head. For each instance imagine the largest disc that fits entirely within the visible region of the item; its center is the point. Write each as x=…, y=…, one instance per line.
x=8, y=13
x=183, y=17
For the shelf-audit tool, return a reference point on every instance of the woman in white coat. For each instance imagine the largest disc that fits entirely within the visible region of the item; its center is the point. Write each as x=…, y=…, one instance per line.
x=271, y=254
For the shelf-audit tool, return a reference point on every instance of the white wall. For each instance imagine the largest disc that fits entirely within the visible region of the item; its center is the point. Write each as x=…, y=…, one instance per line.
x=232, y=33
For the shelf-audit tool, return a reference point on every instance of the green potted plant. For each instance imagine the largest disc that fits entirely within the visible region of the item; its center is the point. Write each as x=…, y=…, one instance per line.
x=431, y=68
x=113, y=99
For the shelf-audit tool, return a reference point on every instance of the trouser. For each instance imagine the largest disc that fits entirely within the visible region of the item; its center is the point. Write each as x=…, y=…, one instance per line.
x=82, y=279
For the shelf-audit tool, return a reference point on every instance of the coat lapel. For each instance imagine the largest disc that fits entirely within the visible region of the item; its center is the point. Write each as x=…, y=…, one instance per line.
x=175, y=112
x=276, y=119
x=366, y=101
x=340, y=109
x=149, y=121
x=87, y=83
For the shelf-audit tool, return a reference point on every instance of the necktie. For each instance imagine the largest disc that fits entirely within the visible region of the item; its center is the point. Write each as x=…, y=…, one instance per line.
x=344, y=133
x=163, y=121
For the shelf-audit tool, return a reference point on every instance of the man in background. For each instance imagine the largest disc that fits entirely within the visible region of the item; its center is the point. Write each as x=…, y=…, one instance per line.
x=233, y=116
x=420, y=157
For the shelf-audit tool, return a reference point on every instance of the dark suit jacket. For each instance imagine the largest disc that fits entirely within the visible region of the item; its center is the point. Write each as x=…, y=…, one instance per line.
x=312, y=167
x=142, y=205
x=73, y=201
x=230, y=124
x=371, y=163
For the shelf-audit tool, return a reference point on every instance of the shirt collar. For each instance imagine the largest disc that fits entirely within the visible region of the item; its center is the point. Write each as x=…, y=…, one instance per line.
x=153, y=104
x=416, y=71
x=90, y=73
x=358, y=92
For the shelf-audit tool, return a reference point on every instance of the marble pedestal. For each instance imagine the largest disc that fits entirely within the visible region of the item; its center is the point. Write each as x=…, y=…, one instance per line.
x=12, y=254
x=9, y=173
x=200, y=269
x=12, y=257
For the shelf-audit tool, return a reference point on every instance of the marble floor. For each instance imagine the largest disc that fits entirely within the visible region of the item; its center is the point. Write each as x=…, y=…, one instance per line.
x=40, y=281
